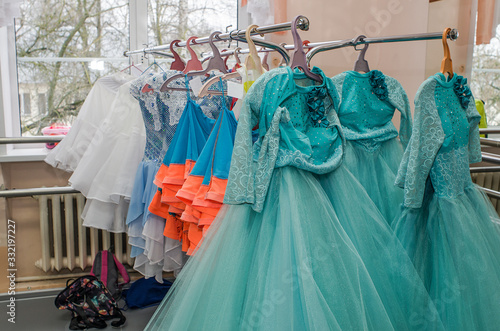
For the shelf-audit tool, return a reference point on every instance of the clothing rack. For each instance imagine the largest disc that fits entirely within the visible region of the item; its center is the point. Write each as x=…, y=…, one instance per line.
x=302, y=24
x=452, y=35
x=329, y=45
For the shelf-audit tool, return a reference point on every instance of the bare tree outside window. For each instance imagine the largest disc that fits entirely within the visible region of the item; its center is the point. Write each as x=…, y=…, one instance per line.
x=52, y=35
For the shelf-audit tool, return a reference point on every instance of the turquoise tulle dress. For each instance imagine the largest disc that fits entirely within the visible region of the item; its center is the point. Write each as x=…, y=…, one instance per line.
x=374, y=151
x=448, y=226
x=278, y=257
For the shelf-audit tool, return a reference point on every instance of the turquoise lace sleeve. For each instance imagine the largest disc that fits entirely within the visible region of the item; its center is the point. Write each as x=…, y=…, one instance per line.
x=399, y=99
x=241, y=182
x=474, y=139
x=338, y=83
x=426, y=139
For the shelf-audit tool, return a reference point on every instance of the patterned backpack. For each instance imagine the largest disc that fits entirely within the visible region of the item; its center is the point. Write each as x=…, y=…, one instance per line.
x=90, y=304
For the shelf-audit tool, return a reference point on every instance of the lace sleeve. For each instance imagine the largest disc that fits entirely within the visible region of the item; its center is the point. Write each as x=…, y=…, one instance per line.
x=338, y=83
x=399, y=99
x=474, y=139
x=241, y=181
x=427, y=137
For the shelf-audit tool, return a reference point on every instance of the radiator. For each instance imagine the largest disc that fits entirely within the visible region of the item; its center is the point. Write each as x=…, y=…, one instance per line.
x=489, y=180
x=66, y=243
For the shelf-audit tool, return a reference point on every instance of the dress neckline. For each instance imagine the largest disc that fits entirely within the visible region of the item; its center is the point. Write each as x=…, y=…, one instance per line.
x=300, y=75
x=444, y=81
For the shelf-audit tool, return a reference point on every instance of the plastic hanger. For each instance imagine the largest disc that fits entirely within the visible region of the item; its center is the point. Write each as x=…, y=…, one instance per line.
x=204, y=89
x=147, y=88
x=132, y=65
x=237, y=58
x=252, y=62
x=361, y=64
x=214, y=63
x=446, y=64
x=299, y=56
x=226, y=57
x=265, y=65
x=178, y=63
x=193, y=63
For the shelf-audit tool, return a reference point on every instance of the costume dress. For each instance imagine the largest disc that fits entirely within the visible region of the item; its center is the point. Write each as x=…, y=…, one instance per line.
x=188, y=142
x=153, y=252
x=110, y=161
x=448, y=226
x=68, y=153
x=373, y=150
x=279, y=258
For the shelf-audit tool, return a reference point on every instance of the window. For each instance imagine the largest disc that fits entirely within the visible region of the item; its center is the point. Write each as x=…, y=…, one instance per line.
x=485, y=82
x=25, y=104
x=42, y=104
x=55, y=51
x=62, y=49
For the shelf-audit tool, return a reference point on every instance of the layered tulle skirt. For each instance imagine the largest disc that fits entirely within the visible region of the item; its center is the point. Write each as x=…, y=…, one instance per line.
x=303, y=263
x=455, y=246
x=375, y=166
x=153, y=252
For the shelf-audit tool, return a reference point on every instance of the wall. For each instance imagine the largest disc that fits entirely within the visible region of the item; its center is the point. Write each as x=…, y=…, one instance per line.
x=409, y=62
x=25, y=213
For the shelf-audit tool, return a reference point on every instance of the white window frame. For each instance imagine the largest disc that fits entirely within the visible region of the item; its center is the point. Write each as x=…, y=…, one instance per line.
x=10, y=120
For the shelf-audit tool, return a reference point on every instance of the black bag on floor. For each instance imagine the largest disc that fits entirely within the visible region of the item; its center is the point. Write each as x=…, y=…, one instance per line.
x=90, y=304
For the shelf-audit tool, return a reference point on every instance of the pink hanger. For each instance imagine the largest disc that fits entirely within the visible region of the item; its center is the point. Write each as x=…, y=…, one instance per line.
x=178, y=63
x=193, y=63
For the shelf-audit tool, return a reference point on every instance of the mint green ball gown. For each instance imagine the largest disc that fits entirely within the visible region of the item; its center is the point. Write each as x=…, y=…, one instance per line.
x=283, y=254
x=448, y=226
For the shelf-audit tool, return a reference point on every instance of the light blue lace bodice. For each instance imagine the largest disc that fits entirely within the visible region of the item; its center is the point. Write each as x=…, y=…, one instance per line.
x=298, y=126
x=445, y=139
x=155, y=113
x=367, y=105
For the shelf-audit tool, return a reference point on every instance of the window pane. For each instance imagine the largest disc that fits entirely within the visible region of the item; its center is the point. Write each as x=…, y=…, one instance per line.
x=485, y=84
x=180, y=19
x=56, y=41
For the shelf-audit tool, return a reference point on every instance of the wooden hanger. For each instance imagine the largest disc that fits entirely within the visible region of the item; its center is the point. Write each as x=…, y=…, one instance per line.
x=299, y=56
x=446, y=64
x=361, y=64
x=178, y=63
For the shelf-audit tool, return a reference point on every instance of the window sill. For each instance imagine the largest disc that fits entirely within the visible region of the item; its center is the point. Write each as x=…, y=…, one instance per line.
x=25, y=155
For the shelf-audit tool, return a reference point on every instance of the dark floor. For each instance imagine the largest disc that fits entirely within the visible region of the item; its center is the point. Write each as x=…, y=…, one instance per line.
x=36, y=311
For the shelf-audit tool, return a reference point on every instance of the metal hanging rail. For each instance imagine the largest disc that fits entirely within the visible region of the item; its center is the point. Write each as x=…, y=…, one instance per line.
x=18, y=193
x=488, y=131
x=302, y=24
x=484, y=169
x=452, y=35
x=489, y=157
x=30, y=140
x=490, y=142
x=490, y=192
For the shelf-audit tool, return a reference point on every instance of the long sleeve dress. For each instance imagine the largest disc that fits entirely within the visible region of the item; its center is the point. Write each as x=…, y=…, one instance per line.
x=448, y=226
x=278, y=257
x=374, y=147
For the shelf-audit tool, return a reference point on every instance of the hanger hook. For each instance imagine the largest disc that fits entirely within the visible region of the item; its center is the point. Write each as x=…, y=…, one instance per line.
x=237, y=51
x=213, y=35
x=357, y=40
x=253, y=60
